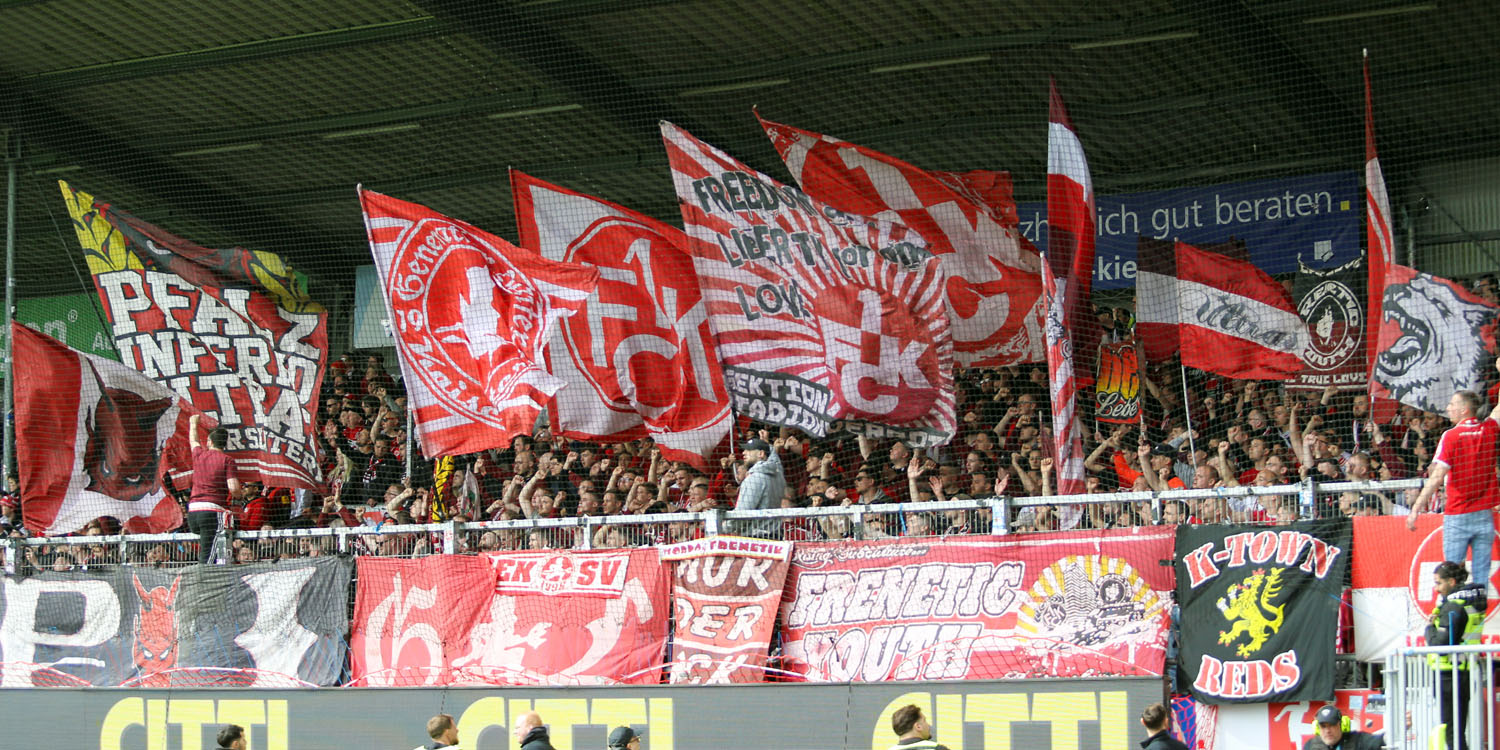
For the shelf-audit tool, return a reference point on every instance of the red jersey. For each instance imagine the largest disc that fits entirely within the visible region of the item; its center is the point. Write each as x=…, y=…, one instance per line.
x=1468, y=450
x=212, y=470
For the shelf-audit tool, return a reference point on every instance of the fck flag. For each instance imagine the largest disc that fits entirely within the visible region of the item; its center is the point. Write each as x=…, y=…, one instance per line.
x=639, y=357
x=471, y=314
x=232, y=330
x=994, y=287
x=1067, y=271
x=818, y=315
x=1222, y=314
x=93, y=438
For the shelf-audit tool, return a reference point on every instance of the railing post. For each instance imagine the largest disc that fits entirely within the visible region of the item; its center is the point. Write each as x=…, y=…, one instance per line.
x=450, y=538
x=588, y=533
x=1308, y=493
x=1000, y=515
x=713, y=522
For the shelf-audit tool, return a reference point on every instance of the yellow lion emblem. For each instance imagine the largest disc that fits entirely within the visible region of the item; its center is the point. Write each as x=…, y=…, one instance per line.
x=1248, y=606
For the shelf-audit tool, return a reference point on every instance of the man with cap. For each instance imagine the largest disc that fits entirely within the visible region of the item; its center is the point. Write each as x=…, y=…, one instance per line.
x=1333, y=733
x=762, y=489
x=1158, y=466
x=624, y=738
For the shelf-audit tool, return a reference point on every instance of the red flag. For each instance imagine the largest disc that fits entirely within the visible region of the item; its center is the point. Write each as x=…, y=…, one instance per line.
x=639, y=358
x=731, y=580
x=471, y=313
x=969, y=220
x=1067, y=272
x=1225, y=315
x=93, y=438
x=231, y=329
x=819, y=316
x=1380, y=243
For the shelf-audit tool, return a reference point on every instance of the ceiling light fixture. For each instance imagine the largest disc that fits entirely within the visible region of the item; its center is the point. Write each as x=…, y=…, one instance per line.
x=1374, y=13
x=1167, y=37
x=218, y=149
x=373, y=131
x=741, y=86
x=551, y=109
x=929, y=64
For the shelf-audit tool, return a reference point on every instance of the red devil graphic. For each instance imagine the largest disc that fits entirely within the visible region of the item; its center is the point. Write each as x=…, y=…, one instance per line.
x=155, y=646
x=122, y=456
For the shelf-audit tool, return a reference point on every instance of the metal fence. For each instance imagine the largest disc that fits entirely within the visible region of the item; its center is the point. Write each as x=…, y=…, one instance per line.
x=1424, y=700
x=986, y=516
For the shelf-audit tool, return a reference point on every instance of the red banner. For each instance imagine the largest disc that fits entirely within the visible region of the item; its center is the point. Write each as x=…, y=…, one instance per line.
x=232, y=330
x=639, y=356
x=819, y=316
x=471, y=314
x=1391, y=578
x=994, y=288
x=93, y=438
x=725, y=594
x=442, y=620
x=1051, y=605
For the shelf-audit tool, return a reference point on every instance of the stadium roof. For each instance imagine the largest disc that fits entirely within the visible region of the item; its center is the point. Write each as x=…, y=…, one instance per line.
x=250, y=122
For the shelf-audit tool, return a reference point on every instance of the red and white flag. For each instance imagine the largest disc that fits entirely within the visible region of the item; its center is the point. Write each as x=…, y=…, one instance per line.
x=1222, y=314
x=93, y=438
x=639, y=358
x=471, y=313
x=819, y=315
x=969, y=220
x=1428, y=337
x=1067, y=274
x=232, y=329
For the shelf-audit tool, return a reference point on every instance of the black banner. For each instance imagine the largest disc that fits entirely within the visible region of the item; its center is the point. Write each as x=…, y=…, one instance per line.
x=1332, y=303
x=1260, y=609
x=241, y=625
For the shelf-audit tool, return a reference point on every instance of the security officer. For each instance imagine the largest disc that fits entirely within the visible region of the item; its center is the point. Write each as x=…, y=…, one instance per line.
x=1334, y=733
x=1457, y=620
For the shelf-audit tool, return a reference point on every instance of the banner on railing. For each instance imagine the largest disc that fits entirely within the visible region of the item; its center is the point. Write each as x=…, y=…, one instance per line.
x=1055, y=605
x=725, y=592
x=1260, y=609
x=520, y=618
x=1391, y=576
x=231, y=330
x=153, y=627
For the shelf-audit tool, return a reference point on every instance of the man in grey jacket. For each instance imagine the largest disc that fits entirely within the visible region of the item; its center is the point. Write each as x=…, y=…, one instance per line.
x=763, y=488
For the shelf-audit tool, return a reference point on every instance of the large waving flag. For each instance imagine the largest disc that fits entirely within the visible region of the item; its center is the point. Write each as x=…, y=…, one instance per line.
x=1428, y=337
x=94, y=438
x=232, y=330
x=969, y=220
x=1223, y=314
x=819, y=316
x=471, y=313
x=640, y=356
x=1067, y=272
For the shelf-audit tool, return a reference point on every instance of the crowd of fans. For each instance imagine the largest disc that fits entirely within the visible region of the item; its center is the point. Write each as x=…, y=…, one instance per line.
x=1209, y=432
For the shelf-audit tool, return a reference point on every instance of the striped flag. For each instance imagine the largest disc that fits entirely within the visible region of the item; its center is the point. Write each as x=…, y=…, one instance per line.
x=1222, y=314
x=1067, y=269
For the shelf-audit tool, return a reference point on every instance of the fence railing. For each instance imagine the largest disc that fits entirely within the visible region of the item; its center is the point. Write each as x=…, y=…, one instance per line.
x=1429, y=702
x=991, y=516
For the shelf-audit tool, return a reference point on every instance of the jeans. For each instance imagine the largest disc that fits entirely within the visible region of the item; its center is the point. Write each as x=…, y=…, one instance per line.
x=204, y=523
x=1465, y=530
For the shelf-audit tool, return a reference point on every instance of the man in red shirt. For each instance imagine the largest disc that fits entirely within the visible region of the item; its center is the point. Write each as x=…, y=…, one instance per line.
x=1465, y=458
x=214, y=482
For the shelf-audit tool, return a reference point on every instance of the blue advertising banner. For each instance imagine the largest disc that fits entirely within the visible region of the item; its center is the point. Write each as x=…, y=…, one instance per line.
x=1315, y=219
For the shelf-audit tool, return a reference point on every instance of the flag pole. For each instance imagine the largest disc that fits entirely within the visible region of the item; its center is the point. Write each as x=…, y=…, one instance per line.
x=1187, y=409
x=10, y=290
